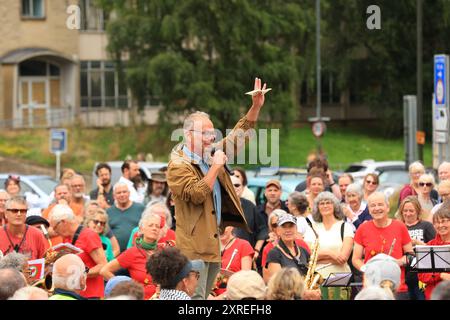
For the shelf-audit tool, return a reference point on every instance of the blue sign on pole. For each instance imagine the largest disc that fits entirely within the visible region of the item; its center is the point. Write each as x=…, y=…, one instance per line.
x=440, y=80
x=58, y=140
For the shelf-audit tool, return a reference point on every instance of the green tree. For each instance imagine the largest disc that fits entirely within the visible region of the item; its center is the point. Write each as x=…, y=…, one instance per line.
x=196, y=54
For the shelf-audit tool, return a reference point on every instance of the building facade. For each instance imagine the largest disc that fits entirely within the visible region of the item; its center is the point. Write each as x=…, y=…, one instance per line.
x=52, y=74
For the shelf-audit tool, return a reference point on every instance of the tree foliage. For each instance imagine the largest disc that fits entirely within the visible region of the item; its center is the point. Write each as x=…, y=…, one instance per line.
x=196, y=54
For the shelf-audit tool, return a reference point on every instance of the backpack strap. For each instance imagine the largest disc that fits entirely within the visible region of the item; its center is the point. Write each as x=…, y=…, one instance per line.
x=342, y=230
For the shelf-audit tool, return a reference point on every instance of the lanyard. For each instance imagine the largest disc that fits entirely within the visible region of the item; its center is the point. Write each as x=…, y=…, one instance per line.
x=16, y=247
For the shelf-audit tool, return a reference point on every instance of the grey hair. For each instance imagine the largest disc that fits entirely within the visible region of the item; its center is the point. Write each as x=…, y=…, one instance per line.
x=61, y=212
x=326, y=195
x=11, y=280
x=119, y=184
x=30, y=293
x=190, y=119
x=275, y=213
x=377, y=194
x=167, y=214
x=355, y=188
x=13, y=260
x=16, y=199
x=416, y=164
x=79, y=176
x=145, y=217
x=299, y=200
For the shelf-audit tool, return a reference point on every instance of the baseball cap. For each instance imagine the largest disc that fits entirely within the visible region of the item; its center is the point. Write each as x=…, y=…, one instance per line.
x=32, y=220
x=113, y=282
x=285, y=218
x=191, y=265
x=246, y=284
x=273, y=182
x=381, y=267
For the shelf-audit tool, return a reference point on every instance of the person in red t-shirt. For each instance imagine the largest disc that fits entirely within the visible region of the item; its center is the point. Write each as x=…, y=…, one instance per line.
x=237, y=254
x=64, y=222
x=441, y=221
x=167, y=234
x=382, y=235
x=15, y=235
x=135, y=258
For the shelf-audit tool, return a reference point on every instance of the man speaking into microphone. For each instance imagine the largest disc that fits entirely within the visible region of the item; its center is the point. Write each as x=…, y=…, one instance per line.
x=202, y=190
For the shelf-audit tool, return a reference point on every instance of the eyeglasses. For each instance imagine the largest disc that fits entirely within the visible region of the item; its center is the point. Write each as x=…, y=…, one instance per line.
x=442, y=221
x=196, y=273
x=17, y=211
x=428, y=184
x=206, y=134
x=57, y=224
x=325, y=203
x=237, y=185
x=371, y=182
x=98, y=222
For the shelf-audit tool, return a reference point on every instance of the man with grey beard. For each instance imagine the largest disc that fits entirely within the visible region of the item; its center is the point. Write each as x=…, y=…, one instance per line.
x=78, y=189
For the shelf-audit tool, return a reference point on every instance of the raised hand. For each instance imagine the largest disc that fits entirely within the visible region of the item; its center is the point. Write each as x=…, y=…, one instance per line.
x=258, y=98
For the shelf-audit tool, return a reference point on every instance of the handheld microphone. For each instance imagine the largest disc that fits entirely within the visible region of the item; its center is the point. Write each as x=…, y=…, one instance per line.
x=227, y=168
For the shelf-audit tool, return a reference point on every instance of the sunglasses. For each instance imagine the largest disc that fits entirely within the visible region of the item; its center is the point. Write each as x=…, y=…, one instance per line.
x=237, y=185
x=14, y=177
x=428, y=184
x=17, y=211
x=371, y=182
x=98, y=222
x=274, y=225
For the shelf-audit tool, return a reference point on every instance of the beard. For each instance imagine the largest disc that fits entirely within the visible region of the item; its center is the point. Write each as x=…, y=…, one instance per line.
x=106, y=183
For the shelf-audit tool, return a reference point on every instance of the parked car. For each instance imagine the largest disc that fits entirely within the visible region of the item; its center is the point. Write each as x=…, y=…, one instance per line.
x=392, y=181
x=258, y=186
x=360, y=169
x=35, y=188
x=146, y=169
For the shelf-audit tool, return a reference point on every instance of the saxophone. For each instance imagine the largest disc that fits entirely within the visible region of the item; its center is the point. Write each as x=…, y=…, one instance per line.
x=313, y=278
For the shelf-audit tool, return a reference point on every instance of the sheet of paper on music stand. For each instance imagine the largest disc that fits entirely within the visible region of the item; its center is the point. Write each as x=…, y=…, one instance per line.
x=441, y=257
x=253, y=92
x=338, y=280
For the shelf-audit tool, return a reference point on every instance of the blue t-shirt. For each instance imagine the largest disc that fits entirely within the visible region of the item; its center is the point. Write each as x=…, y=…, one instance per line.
x=123, y=222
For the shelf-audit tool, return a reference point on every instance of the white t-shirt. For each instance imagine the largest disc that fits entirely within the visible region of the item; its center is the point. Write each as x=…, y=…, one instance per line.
x=331, y=240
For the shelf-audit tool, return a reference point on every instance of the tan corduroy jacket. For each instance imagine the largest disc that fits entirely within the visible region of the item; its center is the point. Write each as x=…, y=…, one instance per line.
x=197, y=232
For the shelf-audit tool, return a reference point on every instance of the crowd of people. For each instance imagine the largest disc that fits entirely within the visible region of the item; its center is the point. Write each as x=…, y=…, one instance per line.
x=196, y=231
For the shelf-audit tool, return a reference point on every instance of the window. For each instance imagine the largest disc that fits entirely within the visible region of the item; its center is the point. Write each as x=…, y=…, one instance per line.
x=93, y=18
x=100, y=86
x=33, y=8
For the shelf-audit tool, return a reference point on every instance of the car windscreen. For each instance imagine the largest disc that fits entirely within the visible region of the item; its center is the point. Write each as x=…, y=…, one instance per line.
x=355, y=168
x=45, y=184
x=397, y=176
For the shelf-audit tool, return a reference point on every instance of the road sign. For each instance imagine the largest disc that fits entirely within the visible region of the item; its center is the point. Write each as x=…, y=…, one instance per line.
x=58, y=140
x=318, y=128
x=441, y=80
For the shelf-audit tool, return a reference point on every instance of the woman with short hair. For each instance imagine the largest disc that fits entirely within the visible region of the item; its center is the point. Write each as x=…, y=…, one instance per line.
x=370, y=184
x=441, y=222
x=135, y=258
x=355, y=209
x=286, y=284
x=426, y=185
x=98, y=222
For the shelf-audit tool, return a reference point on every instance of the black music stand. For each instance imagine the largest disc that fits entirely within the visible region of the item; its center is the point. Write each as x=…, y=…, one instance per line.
x=431, y=259
x=342, y=279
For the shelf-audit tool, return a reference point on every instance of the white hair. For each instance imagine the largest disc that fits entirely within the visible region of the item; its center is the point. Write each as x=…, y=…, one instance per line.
x=30, y=293
x=147, y=216
x=416, y=164
x=120, y=184
x=61, y=212
x=190, y=119
x=355, y=188
x=167, y=214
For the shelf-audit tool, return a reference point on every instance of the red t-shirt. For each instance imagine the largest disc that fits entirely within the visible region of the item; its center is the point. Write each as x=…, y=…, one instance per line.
x=34, y=245
x=432, y=279
x=134, y=259
x=88, y=241
x=376, y=240
x=270, y=246
x=243, y=248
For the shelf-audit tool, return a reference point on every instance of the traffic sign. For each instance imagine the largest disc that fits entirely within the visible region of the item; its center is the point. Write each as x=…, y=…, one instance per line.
x=441, y=80
x=58, y=140
x=318, y=128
